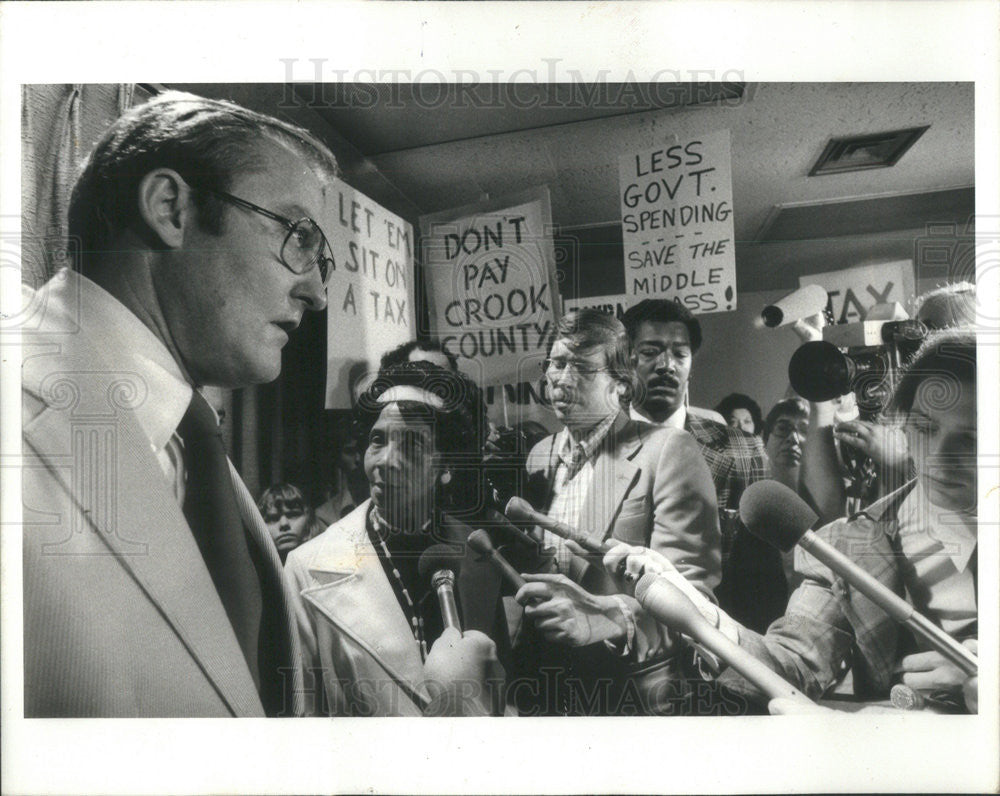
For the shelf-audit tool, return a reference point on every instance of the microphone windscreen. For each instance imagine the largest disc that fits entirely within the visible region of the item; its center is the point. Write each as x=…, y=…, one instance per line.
x=480, y=541
x=520, y=510
x=439, y=556
x=506, y=531
x=774, y=513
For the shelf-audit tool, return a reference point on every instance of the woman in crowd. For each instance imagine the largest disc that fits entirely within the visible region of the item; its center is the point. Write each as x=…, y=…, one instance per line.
x=742, y=412
x=367, y=615
x=290, y=520
x=920, y=540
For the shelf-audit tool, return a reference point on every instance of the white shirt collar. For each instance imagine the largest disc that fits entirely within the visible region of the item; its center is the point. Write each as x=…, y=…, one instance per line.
x=676, y=420
x=129, y=345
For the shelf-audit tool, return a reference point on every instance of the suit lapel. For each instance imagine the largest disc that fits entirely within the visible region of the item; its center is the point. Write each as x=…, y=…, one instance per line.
x=614, y=474
x=144, y=527
x=353, y=594
x=260, y=536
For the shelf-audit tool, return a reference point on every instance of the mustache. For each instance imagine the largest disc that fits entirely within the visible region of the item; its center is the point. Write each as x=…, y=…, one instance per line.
x=663, y=381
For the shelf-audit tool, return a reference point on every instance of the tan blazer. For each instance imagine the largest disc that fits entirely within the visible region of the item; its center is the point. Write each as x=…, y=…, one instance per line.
x=121, y=617
x=358, y=651
x=651, y=487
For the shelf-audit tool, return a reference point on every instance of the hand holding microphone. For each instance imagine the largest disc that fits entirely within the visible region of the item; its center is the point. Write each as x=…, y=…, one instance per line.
x=563, y=611
x=629, y=563
x=671, y=607
x=463, y=675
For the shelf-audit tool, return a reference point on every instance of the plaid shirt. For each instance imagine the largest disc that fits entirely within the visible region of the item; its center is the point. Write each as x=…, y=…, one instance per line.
x=754, y=589
x=735, y=459
x=829, y=627
x=571, y=483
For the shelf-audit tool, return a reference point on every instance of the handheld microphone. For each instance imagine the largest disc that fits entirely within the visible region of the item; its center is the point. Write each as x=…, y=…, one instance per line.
x=773, y=512
x=440, y=562
x=480, y=541
x=670, y=606
x=520, y=510
x=799, y=304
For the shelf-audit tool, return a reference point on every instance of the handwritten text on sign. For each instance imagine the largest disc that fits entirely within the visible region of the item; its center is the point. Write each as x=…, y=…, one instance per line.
x=370, y=294
x=677, y=223
x=490, y=285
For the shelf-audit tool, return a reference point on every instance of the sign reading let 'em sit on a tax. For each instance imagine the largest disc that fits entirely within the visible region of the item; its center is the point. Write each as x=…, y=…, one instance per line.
x=370, y=293
x=491, y=284
x=677, y=223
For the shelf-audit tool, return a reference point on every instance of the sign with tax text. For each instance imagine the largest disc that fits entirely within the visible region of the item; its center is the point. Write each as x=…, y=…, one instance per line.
x=852, y=292
x=370, y=293
x=677, y=223
x=491, y=286
x=490, y=274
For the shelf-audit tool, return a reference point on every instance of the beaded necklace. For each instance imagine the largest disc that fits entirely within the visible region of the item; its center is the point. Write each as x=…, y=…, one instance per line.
x=402, y=593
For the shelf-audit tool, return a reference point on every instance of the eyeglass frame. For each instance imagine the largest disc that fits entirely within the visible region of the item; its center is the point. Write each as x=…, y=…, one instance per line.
x=794, y=428
x=322, y=262
x=587, y=374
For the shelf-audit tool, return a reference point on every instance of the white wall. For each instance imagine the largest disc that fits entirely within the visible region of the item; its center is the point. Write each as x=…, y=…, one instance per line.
x=736, y=356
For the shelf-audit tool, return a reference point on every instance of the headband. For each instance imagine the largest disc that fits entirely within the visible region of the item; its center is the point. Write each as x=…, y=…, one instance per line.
x=407, y=392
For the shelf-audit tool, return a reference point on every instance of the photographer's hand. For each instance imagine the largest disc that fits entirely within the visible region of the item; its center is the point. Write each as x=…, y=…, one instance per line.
x=886, y=445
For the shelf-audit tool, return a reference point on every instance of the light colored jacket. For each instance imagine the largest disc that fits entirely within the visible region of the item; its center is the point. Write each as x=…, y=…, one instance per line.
x=121, y=617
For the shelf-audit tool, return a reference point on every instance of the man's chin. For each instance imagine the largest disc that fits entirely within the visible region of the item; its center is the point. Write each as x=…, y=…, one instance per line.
x=659, y=406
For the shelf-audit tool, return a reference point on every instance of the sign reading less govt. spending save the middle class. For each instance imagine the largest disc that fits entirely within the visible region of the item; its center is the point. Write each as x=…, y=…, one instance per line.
x=677, y=223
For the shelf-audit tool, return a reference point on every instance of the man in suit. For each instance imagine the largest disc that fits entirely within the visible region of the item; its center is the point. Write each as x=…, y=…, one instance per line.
x=151, y=585
x=665, y=336
x=613, y=478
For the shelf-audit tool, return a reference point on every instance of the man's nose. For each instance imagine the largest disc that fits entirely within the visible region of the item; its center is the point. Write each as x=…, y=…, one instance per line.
x=310, y=290
x=284, y=523
x=665, y=362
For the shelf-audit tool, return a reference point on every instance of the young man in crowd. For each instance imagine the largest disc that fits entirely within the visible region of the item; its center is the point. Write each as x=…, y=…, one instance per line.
x=665, y=337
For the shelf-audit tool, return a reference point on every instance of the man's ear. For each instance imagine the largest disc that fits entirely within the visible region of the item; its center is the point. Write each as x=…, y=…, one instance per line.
x=165, y=204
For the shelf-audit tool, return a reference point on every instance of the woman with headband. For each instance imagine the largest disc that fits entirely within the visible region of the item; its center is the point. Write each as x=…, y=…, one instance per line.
x=367, y=615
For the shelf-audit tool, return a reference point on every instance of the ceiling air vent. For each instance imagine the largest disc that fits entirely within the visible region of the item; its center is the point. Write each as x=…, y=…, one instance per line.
x=870, y=151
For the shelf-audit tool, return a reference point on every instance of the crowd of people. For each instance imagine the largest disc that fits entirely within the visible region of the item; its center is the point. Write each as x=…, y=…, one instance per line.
x=199, y=254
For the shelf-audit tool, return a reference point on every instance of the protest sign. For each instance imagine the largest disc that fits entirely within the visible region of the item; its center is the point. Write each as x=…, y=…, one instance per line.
x=370, y=293
x=490, y=274
x=677, y=223
x=852, y=292
x=615, y=305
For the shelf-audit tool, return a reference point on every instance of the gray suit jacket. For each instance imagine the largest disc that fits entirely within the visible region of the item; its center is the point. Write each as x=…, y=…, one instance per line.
x=651, y=487
x=121, y=617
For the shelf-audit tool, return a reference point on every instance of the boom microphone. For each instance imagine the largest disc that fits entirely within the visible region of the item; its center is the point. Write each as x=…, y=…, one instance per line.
x=773, y=512
x=440, y=562
x=670, y=606
x=807, y=300
x=520, y=510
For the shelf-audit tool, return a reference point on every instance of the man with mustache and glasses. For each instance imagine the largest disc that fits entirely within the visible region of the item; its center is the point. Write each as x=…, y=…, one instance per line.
x=612, y=477
x=665, y=336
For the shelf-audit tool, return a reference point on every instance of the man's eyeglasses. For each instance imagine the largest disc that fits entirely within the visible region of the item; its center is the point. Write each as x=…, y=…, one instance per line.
x=785, y=428
x=580, y=368
x=305, y=244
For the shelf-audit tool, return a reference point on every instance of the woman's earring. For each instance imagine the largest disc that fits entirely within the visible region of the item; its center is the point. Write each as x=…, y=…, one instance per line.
x=445, y=478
